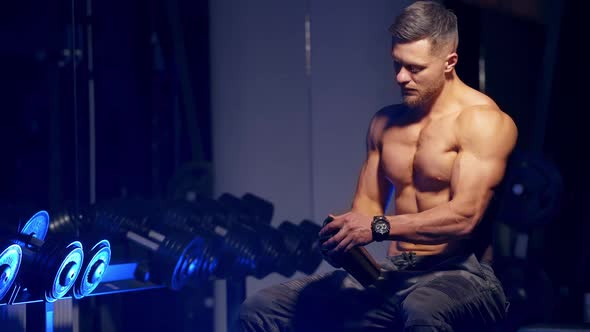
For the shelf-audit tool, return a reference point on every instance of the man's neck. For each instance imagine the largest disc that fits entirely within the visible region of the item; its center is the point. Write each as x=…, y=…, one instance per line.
x=446, y=98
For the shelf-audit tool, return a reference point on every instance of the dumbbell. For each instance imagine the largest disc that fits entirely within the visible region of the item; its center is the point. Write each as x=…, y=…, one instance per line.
x=268, y=246
x=301, y=245
x=50, y=268
x=96, y=262
x=175, y=257
x=286, y=250
x=15, y=226
x=97, y=257
x=231, y=240
x=311, y=249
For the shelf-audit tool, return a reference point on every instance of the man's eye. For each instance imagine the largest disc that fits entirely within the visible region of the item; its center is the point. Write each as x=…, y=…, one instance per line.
x=414, y=69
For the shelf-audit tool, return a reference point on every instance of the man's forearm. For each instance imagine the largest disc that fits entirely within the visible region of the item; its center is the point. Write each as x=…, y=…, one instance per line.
x=435, y=226
x=363, y=204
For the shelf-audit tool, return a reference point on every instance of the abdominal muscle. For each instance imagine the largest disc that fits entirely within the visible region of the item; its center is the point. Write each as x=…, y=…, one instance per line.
x=409, y=202
x=398, y=247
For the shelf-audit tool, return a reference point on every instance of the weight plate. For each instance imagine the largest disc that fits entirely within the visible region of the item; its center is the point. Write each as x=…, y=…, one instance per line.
x=67, y=272
x=95, y=264
x=38, y=225
x=10, y=261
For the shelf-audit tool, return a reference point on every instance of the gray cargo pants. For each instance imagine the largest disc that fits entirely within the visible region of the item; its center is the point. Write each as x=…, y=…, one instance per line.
x=414, y=293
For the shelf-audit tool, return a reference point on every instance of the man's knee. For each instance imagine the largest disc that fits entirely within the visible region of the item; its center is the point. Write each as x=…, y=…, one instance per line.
x=422, y=312
x=430, y=307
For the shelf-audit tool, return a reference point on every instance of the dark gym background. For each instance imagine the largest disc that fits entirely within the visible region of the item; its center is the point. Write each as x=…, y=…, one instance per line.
x=149, y=89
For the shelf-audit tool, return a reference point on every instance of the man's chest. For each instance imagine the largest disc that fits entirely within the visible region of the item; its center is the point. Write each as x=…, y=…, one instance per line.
x=420, y=155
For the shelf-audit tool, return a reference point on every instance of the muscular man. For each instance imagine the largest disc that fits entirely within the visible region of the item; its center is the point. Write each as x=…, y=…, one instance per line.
x=442, y=152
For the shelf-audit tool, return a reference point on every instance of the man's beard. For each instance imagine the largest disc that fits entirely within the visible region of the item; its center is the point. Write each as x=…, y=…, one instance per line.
x=421, y=99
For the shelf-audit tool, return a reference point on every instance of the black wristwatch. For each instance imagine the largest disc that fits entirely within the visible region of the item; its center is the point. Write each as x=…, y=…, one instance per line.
x=380, y=228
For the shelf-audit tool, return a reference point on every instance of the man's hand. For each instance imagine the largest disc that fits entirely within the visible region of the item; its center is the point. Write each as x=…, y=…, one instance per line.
x=332, y=260
x=345, y=232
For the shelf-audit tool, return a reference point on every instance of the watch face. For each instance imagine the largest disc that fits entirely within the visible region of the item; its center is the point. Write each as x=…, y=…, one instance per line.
x=381, y=228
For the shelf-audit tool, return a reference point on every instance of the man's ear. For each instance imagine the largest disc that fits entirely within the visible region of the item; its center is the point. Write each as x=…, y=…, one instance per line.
x=451, y=62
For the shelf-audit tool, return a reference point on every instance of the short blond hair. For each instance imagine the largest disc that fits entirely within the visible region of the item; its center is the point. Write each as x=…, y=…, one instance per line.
x=427, y=20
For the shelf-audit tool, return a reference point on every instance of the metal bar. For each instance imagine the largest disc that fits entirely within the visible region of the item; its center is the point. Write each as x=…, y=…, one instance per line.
x=236, y=293
x=91, y=105
x=192, y=121
x=554, y=11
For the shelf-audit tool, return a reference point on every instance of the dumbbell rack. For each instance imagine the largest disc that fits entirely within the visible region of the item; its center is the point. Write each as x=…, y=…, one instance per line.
x=225, y=239
x=118, y=278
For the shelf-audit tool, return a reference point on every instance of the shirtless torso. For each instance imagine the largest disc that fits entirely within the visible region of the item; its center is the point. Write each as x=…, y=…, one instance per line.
x=417, y=155
x=443, y=151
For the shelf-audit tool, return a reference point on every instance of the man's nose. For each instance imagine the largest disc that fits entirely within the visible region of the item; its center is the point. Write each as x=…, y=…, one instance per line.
x=402, y=76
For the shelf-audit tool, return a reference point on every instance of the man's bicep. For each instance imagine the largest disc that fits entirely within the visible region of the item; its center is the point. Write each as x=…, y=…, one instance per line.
x=373, y=188
x=487, y=138
x=474, y=178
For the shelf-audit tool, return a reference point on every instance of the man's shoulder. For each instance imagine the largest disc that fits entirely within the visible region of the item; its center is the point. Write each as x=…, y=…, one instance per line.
x=384, y=119
x=476, y=105
x=485, y=123
x=481, y=115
